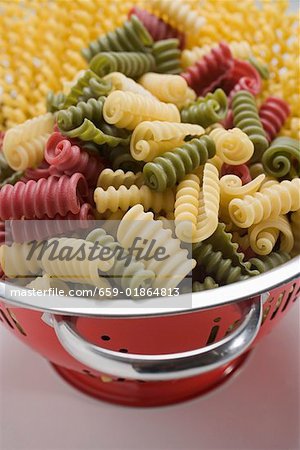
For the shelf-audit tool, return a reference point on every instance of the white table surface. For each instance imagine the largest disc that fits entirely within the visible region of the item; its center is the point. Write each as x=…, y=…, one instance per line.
x=259, y=408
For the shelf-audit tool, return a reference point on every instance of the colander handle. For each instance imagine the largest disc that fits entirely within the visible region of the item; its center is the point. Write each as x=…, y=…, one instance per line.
x=162, y=367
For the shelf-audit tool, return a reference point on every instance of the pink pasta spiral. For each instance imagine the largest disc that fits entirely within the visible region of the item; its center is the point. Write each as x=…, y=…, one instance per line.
x=209, y=71
x=158, y=29
x=42, y=171
x=241, y=76
x=26, y=231
x=35, y=199
x=68, y=158
x=273, y=113
x=242, y=171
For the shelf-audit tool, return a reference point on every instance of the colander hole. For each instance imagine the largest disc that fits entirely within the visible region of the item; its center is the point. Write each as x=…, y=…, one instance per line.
x=289, y=297
x=297, y=294
x=277, y=305
x=217, y=319
x=123, y=350
x=5, y=319
x=121, y=379
x=105, y=337
x=213, y=334
x=265, y=314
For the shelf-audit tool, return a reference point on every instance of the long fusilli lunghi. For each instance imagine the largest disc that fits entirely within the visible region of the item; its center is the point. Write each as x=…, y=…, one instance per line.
x=206, y=110
x=127, y=110
x=245, y=117
x=176, y=265
x=151, y=139
x=278, y=199
x=169, y=168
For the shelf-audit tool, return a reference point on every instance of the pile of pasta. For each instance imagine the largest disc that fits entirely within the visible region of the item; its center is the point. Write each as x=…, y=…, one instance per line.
x=184, y=145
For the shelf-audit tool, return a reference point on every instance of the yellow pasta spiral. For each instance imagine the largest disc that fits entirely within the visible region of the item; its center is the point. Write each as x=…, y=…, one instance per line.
x=170, y=271
x=124, y=198
x=232, y=146
x=127, y=110
x=151, y=139
x=23, y=145
x=166, y=87
x=118, y=178
x=264, y=235
x=196, y=210
x=120, y=82
x=16, y=260
x=273, y=201
x=179, y=14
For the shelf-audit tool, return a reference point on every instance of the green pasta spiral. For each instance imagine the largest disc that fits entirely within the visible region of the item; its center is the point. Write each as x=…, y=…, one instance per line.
x=12, y=179
x=55, y=102
x=132, y=36
x=169, y=168
x=208, y=283
x=87, y=86
x=5, y=170
x=245, y=117
x=279, y=157
x=89, y=132
x=167, y=56
x=73, y=117
x=261, y=68
x=120, y=158
x=131, y=64
x=268, y=262
x=213, y=264
x=132, y=275
x=206, y=110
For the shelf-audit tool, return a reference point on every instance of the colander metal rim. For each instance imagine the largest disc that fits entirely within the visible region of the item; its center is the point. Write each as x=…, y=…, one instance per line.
x=79, y=306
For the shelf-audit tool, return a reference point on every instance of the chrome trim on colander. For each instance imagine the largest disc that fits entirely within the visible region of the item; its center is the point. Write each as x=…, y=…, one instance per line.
x=77, y=306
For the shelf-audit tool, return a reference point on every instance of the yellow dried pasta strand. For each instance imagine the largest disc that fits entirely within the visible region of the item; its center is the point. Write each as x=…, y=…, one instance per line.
x=109, y=177
x=166, y=87
x=273, y=201
x=170, y=271
x=124, y=198
x=151, y=139
x=23, y=145
x=127, y=110
x=264, y=235
x=232, y=146
x=122, y=83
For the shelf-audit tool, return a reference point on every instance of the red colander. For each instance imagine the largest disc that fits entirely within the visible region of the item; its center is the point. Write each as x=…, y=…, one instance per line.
x=137, y=354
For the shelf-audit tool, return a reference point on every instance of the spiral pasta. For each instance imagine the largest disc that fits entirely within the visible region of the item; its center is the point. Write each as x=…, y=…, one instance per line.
x=151, y=139
x=181, y=15
x=119, y=178
x=15, y=260
x=133, y=275
x=157, y=27
x=245, y=117
x=74, y=116
x=166, y=87
x=55, y=102
x=81, y=269
x=127, y=110
x=263, y=236
x=268, y=262
x=279, y=157
x=196, y=211
x=295, y=224
x=122, y=83
x=213, y=264
x=5, y=170
x=120, y=158
x=232, y=146
x=273, y=113
x=169, y=272
x=273, y=201
x=89, y=132
x=167, y=56
x=131, y=64
x=87, y=86
x=45, y=282
x=23, y=145
x=261, y=68
x=124, y=198
x=208, y=283
x=132, y=36
x=206, y=110
x=169, y=168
